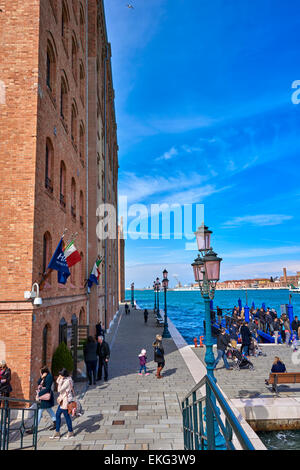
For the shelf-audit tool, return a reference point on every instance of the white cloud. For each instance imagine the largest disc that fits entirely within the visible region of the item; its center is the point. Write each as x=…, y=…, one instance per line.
x=169, y=154
x=260, y=220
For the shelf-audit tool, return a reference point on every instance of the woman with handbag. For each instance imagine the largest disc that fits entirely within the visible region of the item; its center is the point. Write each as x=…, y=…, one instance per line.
x=66, y=396
x=45, y=396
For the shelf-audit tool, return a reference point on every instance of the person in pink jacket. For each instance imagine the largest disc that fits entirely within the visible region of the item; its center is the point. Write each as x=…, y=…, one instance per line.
x=66, y=395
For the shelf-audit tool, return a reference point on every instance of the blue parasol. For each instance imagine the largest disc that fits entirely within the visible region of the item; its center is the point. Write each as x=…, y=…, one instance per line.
x=253, y=305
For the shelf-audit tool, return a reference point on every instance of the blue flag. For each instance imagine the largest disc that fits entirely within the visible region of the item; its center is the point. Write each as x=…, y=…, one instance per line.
x=58, y=262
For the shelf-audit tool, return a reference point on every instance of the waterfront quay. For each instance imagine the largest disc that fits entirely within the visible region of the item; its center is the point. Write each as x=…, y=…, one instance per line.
x=246, y=390
x=129, y=412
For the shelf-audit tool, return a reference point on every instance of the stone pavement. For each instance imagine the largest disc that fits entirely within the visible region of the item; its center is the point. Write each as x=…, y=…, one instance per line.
x=155, y=421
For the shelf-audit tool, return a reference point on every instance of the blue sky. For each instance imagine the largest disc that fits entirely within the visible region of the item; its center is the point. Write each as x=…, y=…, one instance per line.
x=205, y=116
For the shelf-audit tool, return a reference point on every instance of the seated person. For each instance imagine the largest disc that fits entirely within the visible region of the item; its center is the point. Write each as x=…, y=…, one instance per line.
x=278, y=365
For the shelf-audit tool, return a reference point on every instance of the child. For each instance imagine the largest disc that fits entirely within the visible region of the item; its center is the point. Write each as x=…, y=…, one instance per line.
x=143, y=360
x=294, y=343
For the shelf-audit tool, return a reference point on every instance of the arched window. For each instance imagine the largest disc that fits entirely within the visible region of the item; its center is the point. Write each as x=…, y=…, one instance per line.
x=73, y=198
x=51, y=68
x=82, y=317
x=74, y=114
x=63, y=99
x=82, y=143
x=49, y=156
x=65, y=25
x=81, y=209
x=74, y=57
x=46, y=359
x=63, y=331
x=62, y=184
x=82, y=83
x=82, y=26
x=46, y=250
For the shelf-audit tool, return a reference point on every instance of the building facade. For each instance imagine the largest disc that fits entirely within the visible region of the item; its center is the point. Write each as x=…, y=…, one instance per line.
x=58, y=166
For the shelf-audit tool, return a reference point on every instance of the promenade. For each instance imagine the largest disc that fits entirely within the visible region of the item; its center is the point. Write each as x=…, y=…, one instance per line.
x=152, y=420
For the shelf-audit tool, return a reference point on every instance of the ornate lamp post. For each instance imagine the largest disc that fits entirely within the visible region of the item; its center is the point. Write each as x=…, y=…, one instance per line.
x=132, y=294
x=206, y=269
x=157, y=284
x=165, y=283
x=154, y=289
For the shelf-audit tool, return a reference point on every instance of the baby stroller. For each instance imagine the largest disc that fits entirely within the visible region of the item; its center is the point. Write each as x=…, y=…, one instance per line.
x=240, y=361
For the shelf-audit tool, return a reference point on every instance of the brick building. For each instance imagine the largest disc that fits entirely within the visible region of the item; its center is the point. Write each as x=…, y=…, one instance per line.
x=58, y=163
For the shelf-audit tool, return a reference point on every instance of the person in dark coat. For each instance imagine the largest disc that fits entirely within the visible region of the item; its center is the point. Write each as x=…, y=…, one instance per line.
x=45, y=396
x=99, y=330
x=126, y=308
x=278, y=366
x=5, y=378
x=145, y=315
x=91, y=359
x=246, y=338
x=159, y=355
x=103, y=353
x=223, y=340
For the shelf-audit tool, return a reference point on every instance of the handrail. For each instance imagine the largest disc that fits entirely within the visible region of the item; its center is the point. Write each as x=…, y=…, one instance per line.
x=213, y=395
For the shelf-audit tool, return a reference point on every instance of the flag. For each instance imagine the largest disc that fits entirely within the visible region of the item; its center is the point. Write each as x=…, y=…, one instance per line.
x=95, y=274
x=72, y=255
x=58, y=263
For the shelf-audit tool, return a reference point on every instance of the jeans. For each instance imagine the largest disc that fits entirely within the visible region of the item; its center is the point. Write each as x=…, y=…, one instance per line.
x=245, y=348
x=144, y=369
x=49, y=411
x=221, y=354
x=287, y=337
x=59, y=412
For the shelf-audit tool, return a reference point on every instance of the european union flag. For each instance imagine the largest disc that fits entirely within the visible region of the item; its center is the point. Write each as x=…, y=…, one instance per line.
x=58, y=262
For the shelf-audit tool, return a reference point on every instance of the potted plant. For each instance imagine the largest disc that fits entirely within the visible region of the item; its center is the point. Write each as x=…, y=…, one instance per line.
x=62, y=358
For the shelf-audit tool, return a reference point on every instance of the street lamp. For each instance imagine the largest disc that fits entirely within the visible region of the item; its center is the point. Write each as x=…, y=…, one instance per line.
x=132, y=294
x=157, y=284
x=34, y=294
x=165, y=284
x=206, y=269
x=154, y=289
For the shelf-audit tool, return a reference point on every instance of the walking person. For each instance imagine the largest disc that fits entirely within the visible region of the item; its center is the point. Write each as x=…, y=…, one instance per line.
x=5, y=386
x=45, y=396
x=103, y=353
x=126, y=308
x=277, y=328
x=143, y=362
x=66, y=395
x=99, y=330
x=246, y=338
x=159, y=355
x=219, y=315
x=146, y=315
x=91, y=359
x=223, y=340
x=287, y=330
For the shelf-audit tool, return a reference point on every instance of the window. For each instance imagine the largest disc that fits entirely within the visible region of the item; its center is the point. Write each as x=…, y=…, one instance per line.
x=50, y=68
x=46, y=250
x=81, y=208
x=81, y=143
x=63, y=330
x=81, y=82
x=49, y=165
x=74, y=114
x=74, y=57
x=82, y=26
x=62, y=184
x=46, y=345
x=73, y=198
x=65, y=26
x=64, y=100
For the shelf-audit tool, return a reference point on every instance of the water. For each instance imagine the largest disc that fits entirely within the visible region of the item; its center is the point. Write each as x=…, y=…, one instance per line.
x=186, y=309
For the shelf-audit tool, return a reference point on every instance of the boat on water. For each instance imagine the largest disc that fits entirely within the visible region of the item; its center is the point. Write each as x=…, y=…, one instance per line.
x=294, y=289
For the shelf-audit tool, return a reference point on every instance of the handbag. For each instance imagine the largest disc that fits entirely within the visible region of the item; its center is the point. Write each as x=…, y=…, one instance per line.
x=72, y=406
x=46, y=397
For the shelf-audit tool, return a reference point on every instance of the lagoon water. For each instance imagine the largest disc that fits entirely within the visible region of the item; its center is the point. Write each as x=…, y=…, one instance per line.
x=186, y=310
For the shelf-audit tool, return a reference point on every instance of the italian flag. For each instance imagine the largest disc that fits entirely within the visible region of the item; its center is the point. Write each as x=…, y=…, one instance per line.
x=95, y=273
x=72, y=255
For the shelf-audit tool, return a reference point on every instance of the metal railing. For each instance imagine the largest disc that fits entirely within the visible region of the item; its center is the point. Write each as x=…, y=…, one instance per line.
x=203, y=426
x=15, y=419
